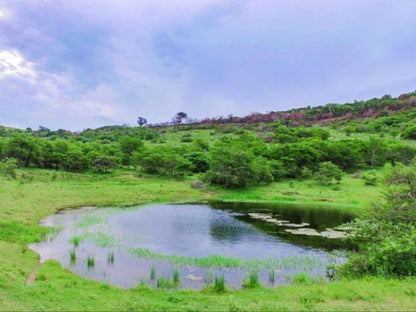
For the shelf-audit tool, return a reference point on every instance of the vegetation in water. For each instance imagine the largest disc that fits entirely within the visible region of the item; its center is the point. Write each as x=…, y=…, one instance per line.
x=166, y=283
x=90, y=262
x=152, y=272
x=252, y=281
x=176, y=279
x=299, y=278
x=219, y=284
x=72, y=256
x=298, y=262
x=110, y=257
x=75, y=240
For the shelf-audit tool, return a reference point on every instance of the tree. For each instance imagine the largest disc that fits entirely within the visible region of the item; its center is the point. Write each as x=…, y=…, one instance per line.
x=163, y=160
x=141, y=121
x=387, y=236
x=179, y=117
x=328, y=173
x=104, y=164
x=232, y=164
x=128, y=146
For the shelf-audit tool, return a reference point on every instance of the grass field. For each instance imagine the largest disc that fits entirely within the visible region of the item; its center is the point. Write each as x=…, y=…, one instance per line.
x=27, y=285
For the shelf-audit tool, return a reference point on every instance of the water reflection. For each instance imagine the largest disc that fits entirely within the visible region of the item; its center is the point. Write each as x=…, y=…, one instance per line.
x=232, y=230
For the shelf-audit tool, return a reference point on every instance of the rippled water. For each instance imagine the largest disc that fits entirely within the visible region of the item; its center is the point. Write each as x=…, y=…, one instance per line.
x=170, y=237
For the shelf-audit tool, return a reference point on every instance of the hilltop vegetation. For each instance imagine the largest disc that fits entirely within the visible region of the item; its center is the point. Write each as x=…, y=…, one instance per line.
x=228, y=153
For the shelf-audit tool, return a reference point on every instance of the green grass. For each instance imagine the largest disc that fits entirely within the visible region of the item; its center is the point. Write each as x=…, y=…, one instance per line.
x=110, y=257
x=252, y=281
x=73, y=256
x=152, y=272
x=25, y=284
x=75, y=240
x=90, y=262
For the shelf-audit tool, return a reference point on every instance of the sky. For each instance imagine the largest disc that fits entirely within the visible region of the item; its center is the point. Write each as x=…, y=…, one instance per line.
x=88, y=63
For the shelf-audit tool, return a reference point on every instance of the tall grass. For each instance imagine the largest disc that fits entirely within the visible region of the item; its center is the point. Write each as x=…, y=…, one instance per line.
x=272, y=276
x=72, y=256
x=176, y=279
x=165, y=283
x=110, y=257
x=75, y=240
x=152, y=272
x=252, y=281
x=90, y=262
x=219, y=284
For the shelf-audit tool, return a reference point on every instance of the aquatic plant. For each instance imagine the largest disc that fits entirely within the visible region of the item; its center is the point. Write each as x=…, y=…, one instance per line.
x=152, y=272
x=219, y=284
x=272, y=276
x=165, y=283
x=110, y=257
x=90, y=262
x=75, y=240
x=303, y=263
x=176, y=279
x=209, y=277
x=299, y=278
x=252, y=281
x=72, y=256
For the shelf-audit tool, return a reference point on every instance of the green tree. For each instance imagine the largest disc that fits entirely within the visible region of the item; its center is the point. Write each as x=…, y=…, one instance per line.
x=328, y=173
x=232, y=164
x=387, y=237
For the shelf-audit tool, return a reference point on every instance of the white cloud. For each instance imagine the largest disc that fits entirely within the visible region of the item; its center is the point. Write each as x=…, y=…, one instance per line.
x=13, y=64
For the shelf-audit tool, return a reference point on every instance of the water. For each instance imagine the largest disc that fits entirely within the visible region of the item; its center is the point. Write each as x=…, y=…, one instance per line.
x=176, y=237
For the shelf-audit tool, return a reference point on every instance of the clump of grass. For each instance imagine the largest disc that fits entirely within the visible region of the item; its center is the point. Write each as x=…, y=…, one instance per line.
x=272, y=276
x=165, y=283
x=152, y=272
x=90, y=262
x=219, y=284
x=252, y=281
x=299, y=278
x=209, y=277
x=110, y=257
x=75, y=240
x=40, y=277
x=72, y=256
x=176, y=279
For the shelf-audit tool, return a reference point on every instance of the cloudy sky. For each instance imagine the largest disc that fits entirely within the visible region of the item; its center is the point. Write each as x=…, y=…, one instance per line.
x=88, y=63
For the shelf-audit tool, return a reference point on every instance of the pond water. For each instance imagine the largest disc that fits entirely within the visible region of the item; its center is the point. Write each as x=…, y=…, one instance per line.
x=199, y=242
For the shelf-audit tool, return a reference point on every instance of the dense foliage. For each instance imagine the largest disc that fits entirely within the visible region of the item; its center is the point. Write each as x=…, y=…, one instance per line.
x=231, y=155
x=387, y=238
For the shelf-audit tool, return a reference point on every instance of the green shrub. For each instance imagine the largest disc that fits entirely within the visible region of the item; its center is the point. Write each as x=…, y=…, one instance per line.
x=219, y=284
x=370, y=178
x=299, y=278
x=252, y=281
x=8, y=167
x=328, y=173
x=387, y=237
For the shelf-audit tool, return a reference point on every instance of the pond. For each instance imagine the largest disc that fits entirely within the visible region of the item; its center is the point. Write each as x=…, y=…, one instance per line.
x=196, y=242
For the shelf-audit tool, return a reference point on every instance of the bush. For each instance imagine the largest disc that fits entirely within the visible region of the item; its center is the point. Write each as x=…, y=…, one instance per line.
x=387, y=237
x=328, y=173
x=232, y=164
x=370, y=178
x=9, y=167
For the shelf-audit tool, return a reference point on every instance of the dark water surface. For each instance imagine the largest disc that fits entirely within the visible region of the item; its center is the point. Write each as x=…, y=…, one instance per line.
x=286, y=240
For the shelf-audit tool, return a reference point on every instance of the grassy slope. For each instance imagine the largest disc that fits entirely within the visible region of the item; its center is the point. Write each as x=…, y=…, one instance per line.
x=55, y=288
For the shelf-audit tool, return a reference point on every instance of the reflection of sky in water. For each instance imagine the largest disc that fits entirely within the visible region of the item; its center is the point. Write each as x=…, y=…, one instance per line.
x=184, y=230
x=195, y=231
